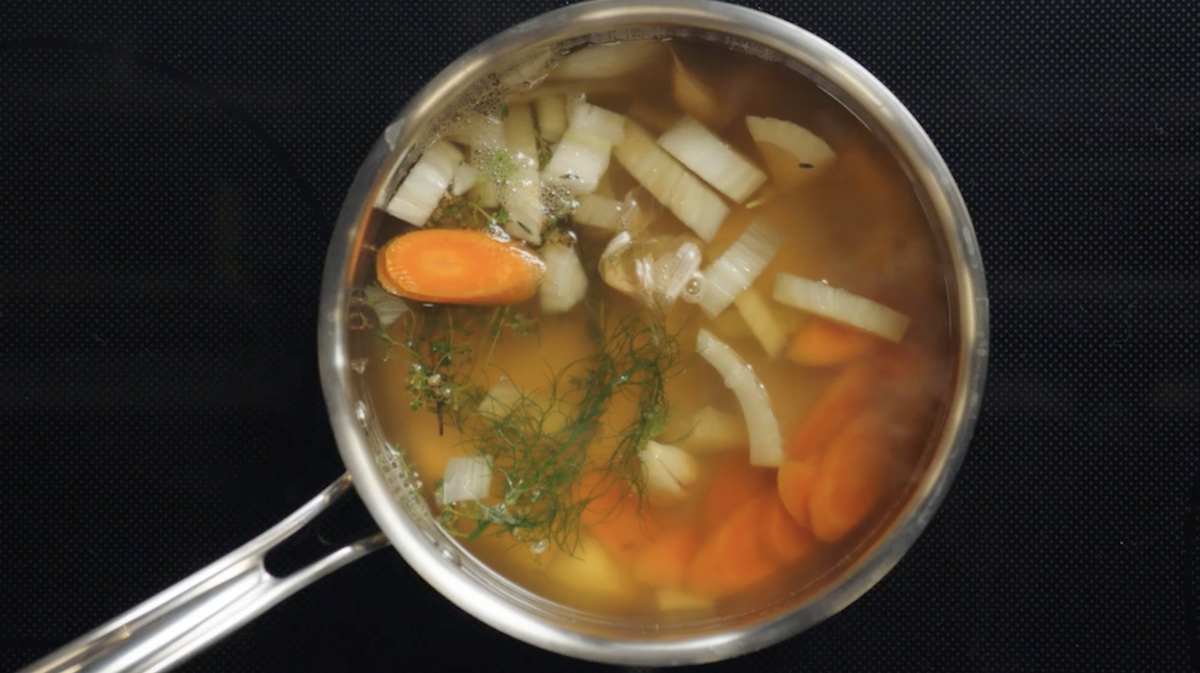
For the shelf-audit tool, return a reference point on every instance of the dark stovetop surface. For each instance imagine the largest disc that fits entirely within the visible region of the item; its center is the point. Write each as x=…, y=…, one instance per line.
x=169, y=181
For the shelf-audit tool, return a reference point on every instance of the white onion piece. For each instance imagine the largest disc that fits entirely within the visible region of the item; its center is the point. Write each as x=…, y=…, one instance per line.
x=762, y=322
x=668, y=471
x=578, y=161
x=766, y=444
x=792, y=153
x=612, y=268
x=671, y=273
x=601, y=61
x=465, y=177
x=466, y=479
x=678, y=600
x=500, y=399
x=551, y=117
x=713, y=159
x=695, y=97
x=738, y=267
x=387, y=306
x=565, y=282
x=840, y=306
x=697, y=206
x=714, y=431
x=597, y=121
x=425, y=184
x=653, y=117
x=600, y=211
x=521, y=194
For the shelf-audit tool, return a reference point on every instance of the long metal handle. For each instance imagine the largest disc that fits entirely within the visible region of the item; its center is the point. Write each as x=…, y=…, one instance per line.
x=177, y=623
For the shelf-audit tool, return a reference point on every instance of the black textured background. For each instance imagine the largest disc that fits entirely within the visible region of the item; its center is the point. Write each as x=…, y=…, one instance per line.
x=169, y=176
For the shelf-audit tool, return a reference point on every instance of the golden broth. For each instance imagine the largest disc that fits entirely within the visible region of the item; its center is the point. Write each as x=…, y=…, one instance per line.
x=856, y=225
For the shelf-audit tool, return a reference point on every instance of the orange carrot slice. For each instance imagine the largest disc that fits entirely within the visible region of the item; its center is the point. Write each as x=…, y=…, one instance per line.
x=795, y=481
x=850, y=393
x=735, y=482
x=851, y=480
x=458, y=266
x=821, y=343
x=737, y=556
x=604, y=497
x=790, y=541
x=664, y=562
x=626, y=531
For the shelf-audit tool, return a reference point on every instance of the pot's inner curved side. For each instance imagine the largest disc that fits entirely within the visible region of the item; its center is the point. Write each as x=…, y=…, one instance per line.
x=858, y=223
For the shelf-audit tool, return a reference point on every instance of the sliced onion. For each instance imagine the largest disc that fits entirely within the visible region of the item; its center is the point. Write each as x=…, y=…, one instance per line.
x=738, y=267
x=766, y=444
x=387, y=306
x=697, y=206
x=758, y=316
x=565, y=282
x=695, y=97
x=425, y=184
x=600, y=61
x=500, y=400
x=466, y=479
x=840, y=306
x=713, y=431
x=653, y=117
x=613, y=269
x=713, y=159
x=671, y=273
x=521, y=194
x=465, y=177
x=600, y=211
x=578, y=161
x=792, y=153
x=597, y=121
x=551, y=117
x=668, y=471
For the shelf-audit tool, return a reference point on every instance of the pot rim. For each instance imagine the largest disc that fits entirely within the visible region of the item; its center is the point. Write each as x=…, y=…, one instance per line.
x=437, y=563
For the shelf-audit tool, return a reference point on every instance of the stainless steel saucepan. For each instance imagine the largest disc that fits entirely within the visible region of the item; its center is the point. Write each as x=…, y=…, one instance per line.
x=175, y=624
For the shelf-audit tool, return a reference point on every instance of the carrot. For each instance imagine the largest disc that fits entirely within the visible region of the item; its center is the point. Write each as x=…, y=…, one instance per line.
x=821, y=343
x=664, y=562
x=737, y=556
x=736, y=481
x=604, y=497
x=458, y=266
x=795, y=481
x=851, y=480
x=790, y=541
x=851, y=392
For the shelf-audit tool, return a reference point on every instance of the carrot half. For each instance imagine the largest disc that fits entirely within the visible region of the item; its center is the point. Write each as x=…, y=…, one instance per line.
x=851, y=392
x=664, y=562
x=458, y=266
x=795, y=481
x=852, y=478
x=736, y=482
x=822, y=343
x=737, y=555
x=790, y=541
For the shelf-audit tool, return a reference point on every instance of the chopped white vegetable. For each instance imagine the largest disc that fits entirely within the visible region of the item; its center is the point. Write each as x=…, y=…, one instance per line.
x=613, y=267
x=714, y=431
x=521, y=193
x=388, y=307
x=600, y=211
x=697, y=206
x=678, y=600
x=695, y=97
x=484, y=193
x=758, y=315
x=597, y=121
x=766, y=444
x=465, y=177
x=551, y=117
x=530, y=72
x=466, y=479
x=565, y=282
x=668, y=471
x=579, y=160
x=671, y=273
x=425, y=184
x=840, y=306
x=500, y=399
x=601, y=61
x=713, y=159
x=792, y=153
x=738, y=267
